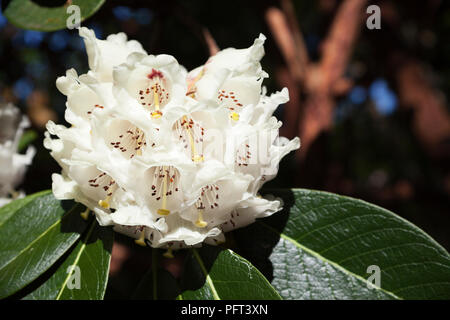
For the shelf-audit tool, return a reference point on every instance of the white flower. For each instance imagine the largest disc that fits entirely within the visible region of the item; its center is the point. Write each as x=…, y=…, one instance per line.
x=12, y=164
x=169, y=158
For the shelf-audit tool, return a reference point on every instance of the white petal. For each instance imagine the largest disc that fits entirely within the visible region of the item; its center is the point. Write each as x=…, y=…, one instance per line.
x=181, y=230
x=63, y=187
x=103, y=55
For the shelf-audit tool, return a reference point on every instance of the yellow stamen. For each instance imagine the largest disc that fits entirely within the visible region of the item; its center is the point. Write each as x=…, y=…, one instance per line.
x=168, y=254
x=234, y=116
x=85, y=214
x=105, y=202
x=156, y=114
x=200, y=222
x=141, y=240
x=163, y=211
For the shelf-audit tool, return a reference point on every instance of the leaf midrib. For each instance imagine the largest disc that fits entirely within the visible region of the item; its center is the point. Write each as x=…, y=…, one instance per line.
x=205, y=272
x=77, y=258
x=211, y=283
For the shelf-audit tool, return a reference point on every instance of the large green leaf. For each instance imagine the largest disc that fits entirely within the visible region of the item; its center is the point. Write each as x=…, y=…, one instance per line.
x=89, y=260
x=34, y=233
x=9, y=209
x=212, y=273
x=321, y=246
x=27, y=14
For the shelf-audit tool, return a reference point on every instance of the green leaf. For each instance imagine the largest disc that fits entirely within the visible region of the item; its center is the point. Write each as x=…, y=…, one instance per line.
x=209, y=273
x=212, y=273
x=89, y=260
x=321, y=246
x=9, y=209
x=34, y=233
x=28, y=137
x=157, y=283
x=27, y=14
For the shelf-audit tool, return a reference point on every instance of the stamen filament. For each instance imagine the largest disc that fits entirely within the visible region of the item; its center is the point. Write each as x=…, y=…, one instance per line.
x=85, y=214
x=195, y=156
x=157, y=113
x=168, y=254
x=139, y=143
x=141, y=240
x=105, y=202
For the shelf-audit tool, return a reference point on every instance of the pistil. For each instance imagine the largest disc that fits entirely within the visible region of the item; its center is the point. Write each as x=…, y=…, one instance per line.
x=163, y=211
x=165, y=182
x=105, y=202
x=191, y=133
x=157, y=113
x=85, y=214
x=141, y=240
x=168, y=254
x=200, y=222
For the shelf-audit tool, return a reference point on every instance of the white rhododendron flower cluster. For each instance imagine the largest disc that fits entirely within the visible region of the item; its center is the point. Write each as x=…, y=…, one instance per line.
x=168, y=157
x=13, y=165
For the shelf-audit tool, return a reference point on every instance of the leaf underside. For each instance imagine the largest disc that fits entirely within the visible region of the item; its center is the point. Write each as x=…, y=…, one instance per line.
x=27, y=14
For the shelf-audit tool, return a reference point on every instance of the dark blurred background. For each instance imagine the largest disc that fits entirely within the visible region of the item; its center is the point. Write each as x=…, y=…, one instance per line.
x=370, y=106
